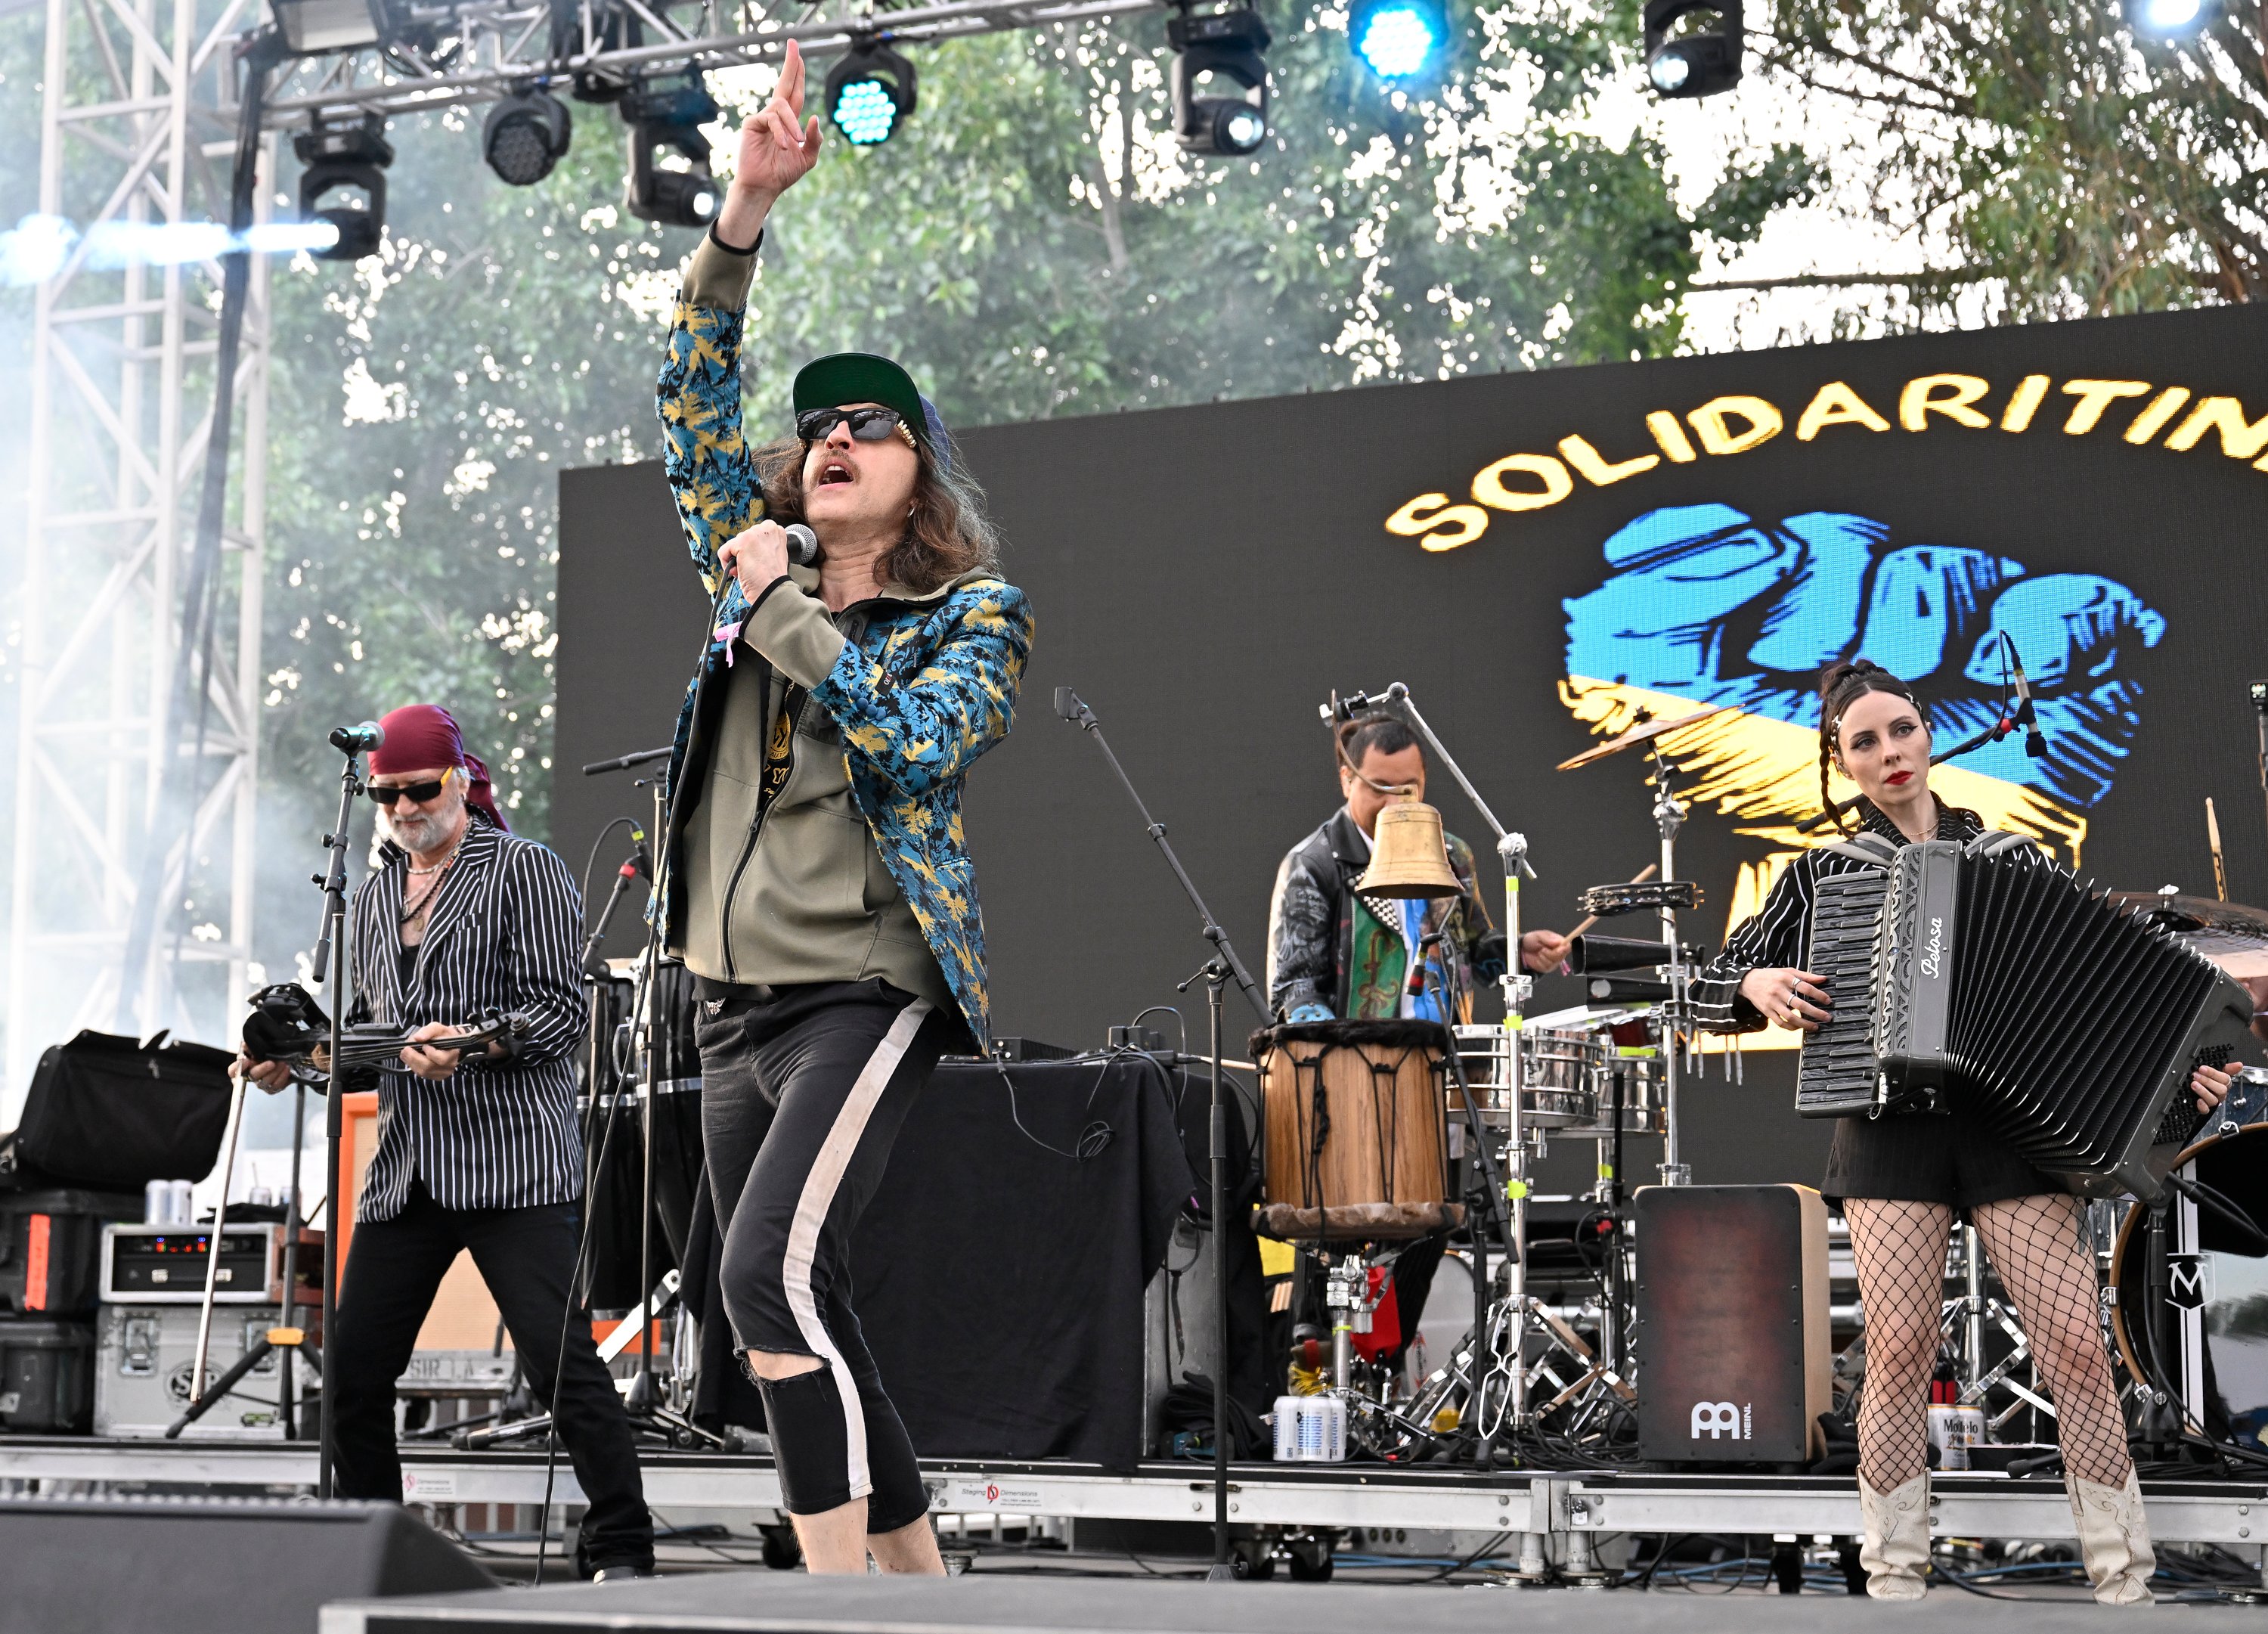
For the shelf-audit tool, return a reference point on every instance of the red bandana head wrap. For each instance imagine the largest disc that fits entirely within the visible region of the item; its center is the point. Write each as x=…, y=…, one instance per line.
x=422, y=736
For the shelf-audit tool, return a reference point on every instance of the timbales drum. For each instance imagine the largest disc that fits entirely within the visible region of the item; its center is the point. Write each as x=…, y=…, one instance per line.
x=1557, y=1067
x=1357, y=1142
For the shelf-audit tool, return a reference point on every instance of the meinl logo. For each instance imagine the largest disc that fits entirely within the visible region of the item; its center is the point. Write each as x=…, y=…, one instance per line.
x=1722, y=1420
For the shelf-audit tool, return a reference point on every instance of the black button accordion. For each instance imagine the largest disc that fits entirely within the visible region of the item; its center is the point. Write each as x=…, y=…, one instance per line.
x=1985, y=972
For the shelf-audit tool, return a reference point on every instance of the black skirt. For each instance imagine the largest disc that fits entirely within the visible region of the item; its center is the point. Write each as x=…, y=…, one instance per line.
x=1928, y=1157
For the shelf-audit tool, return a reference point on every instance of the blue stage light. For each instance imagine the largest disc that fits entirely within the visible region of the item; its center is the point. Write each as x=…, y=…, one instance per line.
x=870, y=92
x=1397, y=40
x=864, y=112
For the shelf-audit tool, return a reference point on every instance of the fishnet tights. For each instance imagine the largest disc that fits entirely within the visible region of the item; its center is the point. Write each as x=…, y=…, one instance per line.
x=2034, y=1245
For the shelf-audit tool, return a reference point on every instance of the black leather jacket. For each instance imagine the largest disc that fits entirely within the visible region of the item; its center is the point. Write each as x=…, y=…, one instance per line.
x=1311, y=922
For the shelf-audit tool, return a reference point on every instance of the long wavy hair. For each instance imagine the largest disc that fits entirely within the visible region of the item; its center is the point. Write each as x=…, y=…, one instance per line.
x=1840, y=685
x=949, y=533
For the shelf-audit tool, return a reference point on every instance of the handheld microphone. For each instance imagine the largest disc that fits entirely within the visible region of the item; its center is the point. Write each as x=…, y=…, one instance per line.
x=359, y=739
x=802, y=544
x=2036, y=741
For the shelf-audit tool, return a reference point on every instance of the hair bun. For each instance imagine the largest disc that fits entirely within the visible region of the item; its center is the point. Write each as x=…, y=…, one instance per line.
x=1843, y=670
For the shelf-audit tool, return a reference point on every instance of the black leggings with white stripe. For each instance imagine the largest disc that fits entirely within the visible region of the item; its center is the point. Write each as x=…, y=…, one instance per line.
x=803, y=1092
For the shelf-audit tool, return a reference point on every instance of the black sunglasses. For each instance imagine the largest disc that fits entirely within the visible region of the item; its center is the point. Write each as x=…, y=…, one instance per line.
x=416, y=793
x=867, y=425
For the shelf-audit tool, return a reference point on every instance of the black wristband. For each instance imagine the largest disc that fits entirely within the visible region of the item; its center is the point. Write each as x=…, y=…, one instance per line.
x=734, y=249
x=764, y=594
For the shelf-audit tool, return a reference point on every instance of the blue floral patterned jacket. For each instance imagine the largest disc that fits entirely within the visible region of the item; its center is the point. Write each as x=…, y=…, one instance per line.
x=919, y=693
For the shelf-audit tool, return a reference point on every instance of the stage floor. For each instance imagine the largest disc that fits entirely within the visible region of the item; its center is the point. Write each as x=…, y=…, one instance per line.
x=1288, y=1496
x=795, y=1604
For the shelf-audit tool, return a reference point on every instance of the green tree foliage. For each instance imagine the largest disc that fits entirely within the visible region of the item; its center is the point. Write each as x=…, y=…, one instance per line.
x=1031, y=242
x=2076, y=168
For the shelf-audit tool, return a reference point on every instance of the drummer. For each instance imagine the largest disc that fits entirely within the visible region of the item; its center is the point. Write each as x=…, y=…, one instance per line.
x=1334, y=956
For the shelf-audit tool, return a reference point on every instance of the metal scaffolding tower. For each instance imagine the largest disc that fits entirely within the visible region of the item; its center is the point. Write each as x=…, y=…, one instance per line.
x=141, y=103
x=137, y=135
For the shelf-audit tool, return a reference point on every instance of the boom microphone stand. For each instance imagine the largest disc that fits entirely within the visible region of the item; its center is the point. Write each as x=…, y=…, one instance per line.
x=1218, y=971
x=330, y=959
x=1518, y=988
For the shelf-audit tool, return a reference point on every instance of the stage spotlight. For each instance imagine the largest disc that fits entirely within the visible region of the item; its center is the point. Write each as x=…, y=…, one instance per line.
x=669, y=119
x=1228, y=45
x=2169, y=20
x=870, y=93
x=1398, y=39
x=1702, y=55
x=526, y=135
x=353, y=157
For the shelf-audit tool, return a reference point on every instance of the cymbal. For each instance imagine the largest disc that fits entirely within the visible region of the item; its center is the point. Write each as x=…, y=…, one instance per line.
x=1645, y=734
x=2231, y=935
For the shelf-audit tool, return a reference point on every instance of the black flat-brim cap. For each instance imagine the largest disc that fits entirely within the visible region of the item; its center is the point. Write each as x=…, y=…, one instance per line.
x=842, y=378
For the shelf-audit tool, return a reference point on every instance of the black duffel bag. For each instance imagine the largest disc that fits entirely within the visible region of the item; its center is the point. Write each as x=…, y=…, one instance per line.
x=116, y=1113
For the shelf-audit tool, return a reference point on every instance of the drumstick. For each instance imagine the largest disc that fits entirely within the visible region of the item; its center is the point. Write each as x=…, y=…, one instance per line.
x=1639, y=878
x=2212, y=837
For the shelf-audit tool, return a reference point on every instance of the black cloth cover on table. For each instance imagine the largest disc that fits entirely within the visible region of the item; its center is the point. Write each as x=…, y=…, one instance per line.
x=999, y=1284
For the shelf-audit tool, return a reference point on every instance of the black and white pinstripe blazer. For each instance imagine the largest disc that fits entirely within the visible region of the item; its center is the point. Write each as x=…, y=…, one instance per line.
x=503, y=935
x=1778, y=934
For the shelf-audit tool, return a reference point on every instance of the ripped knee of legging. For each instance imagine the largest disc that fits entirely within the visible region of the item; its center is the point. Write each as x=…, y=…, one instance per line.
x=819, y=1449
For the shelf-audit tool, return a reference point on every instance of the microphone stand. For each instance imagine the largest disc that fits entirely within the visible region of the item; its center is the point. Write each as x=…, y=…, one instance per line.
x=1219, y=970
x=1518, y=988
x=330, y=958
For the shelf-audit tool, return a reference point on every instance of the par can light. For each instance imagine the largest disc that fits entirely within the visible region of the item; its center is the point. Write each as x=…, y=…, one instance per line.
x=870, y=93
x=1399, y=39
x=526, y=135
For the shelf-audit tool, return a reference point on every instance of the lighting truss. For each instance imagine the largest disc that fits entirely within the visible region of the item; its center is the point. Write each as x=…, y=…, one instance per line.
x=121, y=390
x=492, y=45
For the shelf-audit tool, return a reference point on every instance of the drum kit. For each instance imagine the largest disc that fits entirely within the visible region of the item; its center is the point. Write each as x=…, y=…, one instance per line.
x=1368, y=1121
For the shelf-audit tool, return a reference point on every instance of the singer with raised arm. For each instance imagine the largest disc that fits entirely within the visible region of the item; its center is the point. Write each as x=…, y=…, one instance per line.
x=1903, y=1180
x=815, y=880
x=478, y=1150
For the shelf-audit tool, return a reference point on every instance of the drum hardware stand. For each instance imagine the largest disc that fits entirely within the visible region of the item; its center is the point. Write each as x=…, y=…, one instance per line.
x=1502, y=1205
x=1218, y=971
x=2260, y=692
x=644, y=1400
x=675, y=1426
x=1669, y=817
x=1518, y=990
x=1346, y=1291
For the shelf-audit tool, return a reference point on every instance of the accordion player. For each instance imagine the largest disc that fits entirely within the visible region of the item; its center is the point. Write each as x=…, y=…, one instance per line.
x=1939, y=1143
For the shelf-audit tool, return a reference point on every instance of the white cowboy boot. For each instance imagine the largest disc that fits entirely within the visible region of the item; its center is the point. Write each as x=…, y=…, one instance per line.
x=2114, y=1539
x=1896, y=1549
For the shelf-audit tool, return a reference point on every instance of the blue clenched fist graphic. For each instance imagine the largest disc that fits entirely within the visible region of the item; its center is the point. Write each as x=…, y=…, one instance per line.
x=1709, y=603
